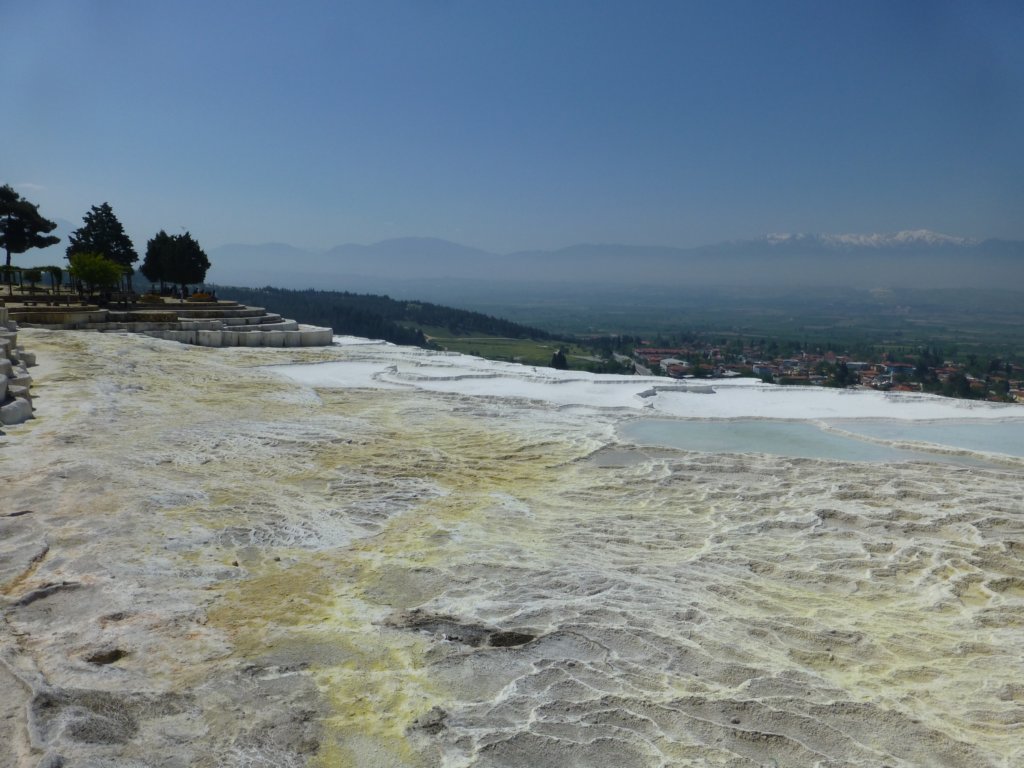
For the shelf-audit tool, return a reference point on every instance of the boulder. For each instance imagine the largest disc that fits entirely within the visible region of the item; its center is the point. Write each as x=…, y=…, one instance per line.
x=20, y=379
x=16, y=391
x=15, y=412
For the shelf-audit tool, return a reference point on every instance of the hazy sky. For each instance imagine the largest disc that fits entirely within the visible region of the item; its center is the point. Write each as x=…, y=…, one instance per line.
x=510, y=125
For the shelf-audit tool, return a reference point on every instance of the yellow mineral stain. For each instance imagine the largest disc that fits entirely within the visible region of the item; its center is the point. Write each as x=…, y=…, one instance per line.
x=935, y=619
x=340, y=598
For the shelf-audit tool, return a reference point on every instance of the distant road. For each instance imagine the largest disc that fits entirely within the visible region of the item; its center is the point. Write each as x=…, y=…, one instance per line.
x=636, y=366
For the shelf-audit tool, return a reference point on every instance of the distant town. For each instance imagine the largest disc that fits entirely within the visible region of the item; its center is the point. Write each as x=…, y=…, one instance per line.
x=995, y=380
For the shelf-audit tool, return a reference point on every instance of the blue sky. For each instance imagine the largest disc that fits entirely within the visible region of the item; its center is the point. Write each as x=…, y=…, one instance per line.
x=515, y=125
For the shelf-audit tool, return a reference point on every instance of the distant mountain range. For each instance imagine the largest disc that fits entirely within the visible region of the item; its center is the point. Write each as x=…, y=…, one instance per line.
x=441, y=270
x=918, y=258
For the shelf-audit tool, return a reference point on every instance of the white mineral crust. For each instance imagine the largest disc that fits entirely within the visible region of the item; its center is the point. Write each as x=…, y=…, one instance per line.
x=381, y=556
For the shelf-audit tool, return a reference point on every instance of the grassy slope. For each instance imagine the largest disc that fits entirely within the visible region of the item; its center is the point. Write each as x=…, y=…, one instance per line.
x=527, y=351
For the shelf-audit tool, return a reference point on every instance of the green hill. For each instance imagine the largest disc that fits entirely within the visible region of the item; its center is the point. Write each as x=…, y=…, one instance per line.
x=380, y=317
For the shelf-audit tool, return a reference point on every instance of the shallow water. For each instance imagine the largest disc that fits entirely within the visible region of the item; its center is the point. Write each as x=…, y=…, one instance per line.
x=1005, y=437
x=786, y=438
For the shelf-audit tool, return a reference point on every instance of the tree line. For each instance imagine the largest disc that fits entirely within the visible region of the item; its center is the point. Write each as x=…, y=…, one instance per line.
x=100, y=254
x=377, y=317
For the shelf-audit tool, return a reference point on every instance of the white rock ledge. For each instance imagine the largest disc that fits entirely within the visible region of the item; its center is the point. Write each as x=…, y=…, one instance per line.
x=298, y=336
x=15, y=381
x=220, y=324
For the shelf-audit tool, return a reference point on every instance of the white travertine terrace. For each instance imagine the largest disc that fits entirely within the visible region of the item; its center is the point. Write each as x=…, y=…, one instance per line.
x=205, y=324
x=383, y=556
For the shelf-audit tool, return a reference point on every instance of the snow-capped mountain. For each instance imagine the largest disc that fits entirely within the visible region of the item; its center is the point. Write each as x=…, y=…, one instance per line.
x=906, y=239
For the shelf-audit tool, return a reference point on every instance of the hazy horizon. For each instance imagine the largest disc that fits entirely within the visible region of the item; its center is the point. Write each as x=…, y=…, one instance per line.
x=532, y=127
x=912, y=238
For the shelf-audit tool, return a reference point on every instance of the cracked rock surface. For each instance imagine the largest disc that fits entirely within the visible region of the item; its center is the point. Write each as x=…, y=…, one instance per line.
x=203, y=563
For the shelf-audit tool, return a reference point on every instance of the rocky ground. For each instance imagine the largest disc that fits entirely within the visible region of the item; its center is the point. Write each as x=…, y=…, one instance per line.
x=109, y=656
x=203, y=563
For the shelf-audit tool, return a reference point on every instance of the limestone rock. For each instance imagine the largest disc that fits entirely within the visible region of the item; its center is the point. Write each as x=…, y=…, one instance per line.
x=16, y=390
x=15, y=412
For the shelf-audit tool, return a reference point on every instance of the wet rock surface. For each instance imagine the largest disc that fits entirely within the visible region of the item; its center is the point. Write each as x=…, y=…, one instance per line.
x=473, y=635
x=276, y=576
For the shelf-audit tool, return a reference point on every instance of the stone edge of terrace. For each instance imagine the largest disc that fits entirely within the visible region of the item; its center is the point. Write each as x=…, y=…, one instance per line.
x=205, y=324
x=15, y=380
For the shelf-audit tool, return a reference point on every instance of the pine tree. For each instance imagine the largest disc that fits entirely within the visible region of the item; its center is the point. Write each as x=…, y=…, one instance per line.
x=103, y=234
x=21, y=227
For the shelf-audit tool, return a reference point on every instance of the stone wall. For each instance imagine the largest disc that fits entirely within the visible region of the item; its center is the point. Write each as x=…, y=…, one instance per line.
x=15, y=381
x=287, y=334
x=211, y=324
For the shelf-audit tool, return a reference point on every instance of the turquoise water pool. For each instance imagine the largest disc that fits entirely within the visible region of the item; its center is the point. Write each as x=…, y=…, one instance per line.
x=1005, y=437
x=805, y=440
